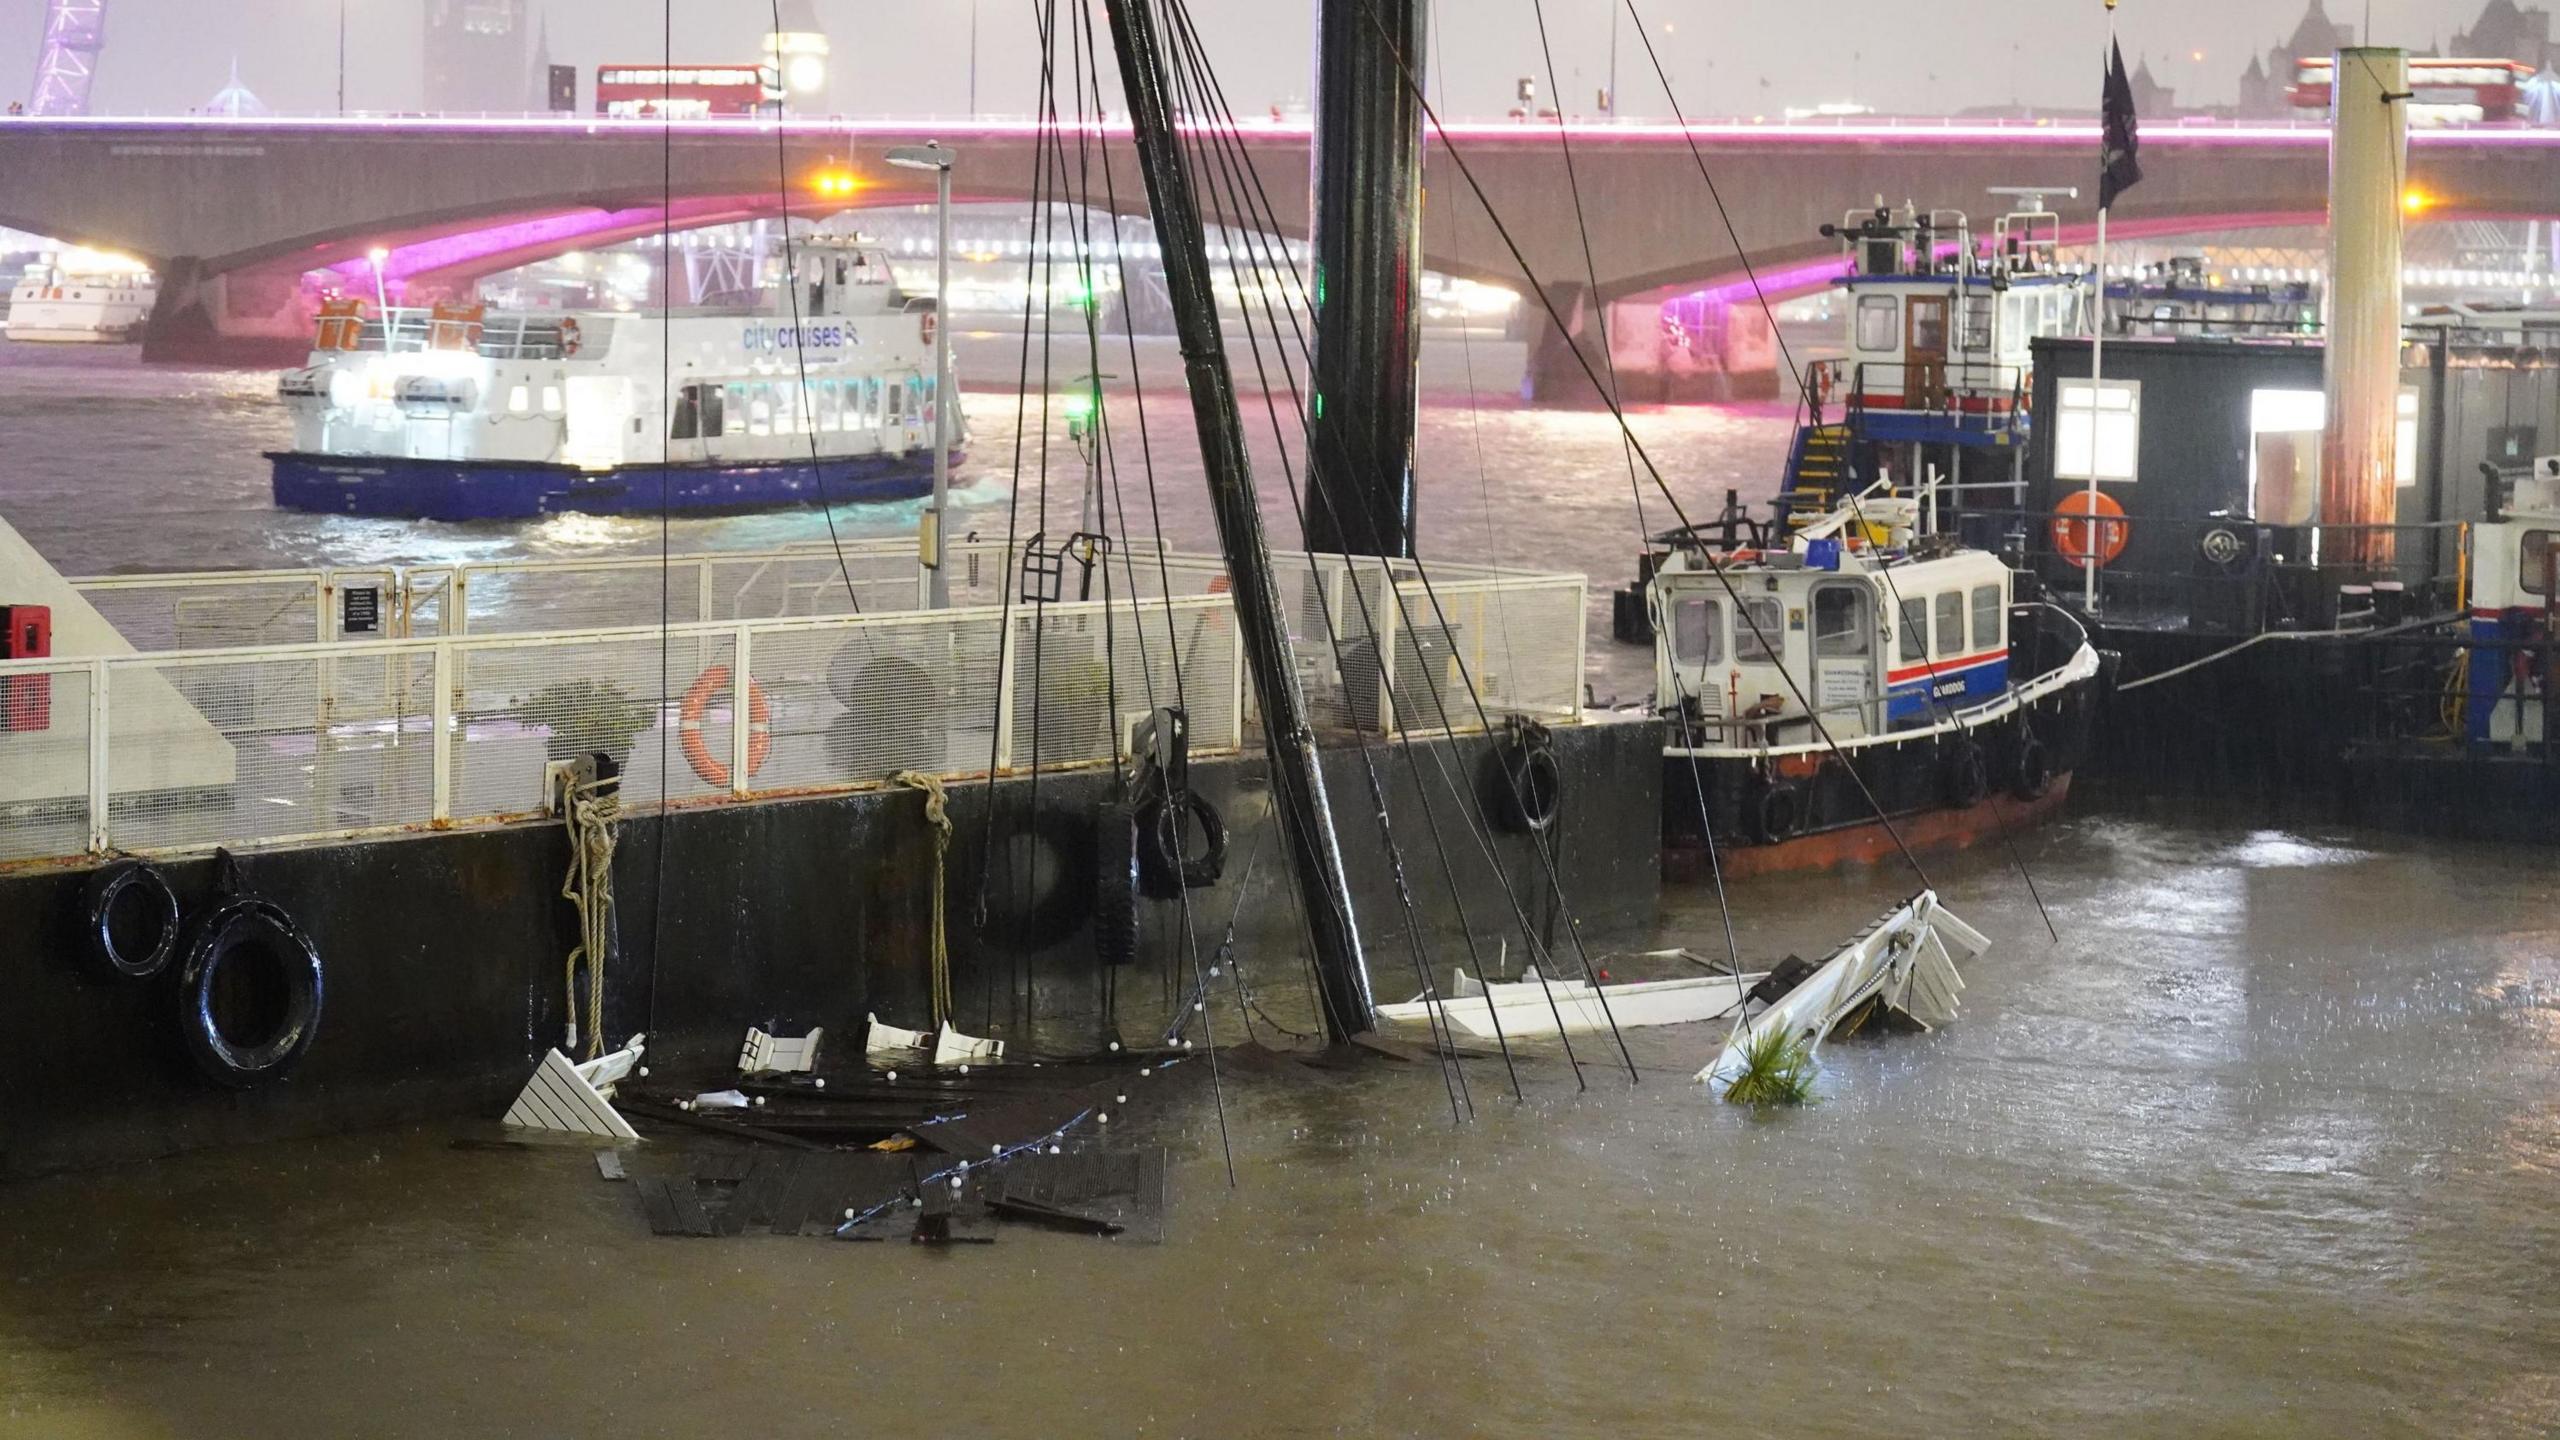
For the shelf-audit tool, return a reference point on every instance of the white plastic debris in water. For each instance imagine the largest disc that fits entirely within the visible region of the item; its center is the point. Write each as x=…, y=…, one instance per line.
x=719, y=1100
x=765, y=1054
x=1905, y=962
x=884, y=1039
x=577, y=1099
x=950, y=1047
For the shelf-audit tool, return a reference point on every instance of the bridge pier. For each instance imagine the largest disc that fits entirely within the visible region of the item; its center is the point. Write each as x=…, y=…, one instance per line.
x=1694, y=349
x=246, y=318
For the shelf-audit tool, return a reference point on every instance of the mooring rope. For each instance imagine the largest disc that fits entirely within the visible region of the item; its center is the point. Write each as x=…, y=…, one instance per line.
x=590, y=813
x=937, y=813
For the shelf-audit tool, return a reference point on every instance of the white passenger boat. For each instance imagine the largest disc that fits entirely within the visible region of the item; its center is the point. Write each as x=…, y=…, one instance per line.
x=459, y=413
x=82, y=298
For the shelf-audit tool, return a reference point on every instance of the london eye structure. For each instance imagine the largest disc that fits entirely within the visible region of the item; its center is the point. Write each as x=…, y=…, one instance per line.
x=74, y=32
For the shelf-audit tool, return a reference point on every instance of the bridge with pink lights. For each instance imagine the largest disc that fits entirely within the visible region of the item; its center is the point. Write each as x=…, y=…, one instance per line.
x=235, y=211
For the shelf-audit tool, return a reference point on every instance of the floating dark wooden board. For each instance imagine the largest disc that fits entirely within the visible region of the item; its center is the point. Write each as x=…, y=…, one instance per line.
x=1090, y=1187
x=989, y=1127
x=672, y=1206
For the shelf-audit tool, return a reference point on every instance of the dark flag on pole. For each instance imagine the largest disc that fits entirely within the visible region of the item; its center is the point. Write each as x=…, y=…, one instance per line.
x=2119, y=168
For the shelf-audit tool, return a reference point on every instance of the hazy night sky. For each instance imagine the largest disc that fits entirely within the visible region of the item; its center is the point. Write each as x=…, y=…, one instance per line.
x=172, y=55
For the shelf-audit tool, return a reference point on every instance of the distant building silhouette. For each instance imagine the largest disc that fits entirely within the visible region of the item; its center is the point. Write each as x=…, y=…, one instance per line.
x=2266, y=86
x=2150, y=97
x=2506, y=31
x=475, y=58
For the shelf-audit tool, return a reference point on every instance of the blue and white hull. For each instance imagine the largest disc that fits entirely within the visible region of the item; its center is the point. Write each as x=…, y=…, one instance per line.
x=412, y=489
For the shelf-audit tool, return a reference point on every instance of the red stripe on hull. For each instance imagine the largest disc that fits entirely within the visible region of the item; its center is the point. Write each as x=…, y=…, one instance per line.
x=1868, y=844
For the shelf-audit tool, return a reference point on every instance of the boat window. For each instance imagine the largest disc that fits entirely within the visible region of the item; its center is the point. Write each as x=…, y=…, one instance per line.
x=897, y=402
x=786, y=409
x=2105, y=424
x=1928, y=325
x=1914, y=643
x=551, y=404
x=1950, y=623
x=1987, y=609
x=1977, y=323
x=1697, y=633
x=519, y=400
x=2530, y=560
x=828, y=401
x=687, y=423
x=1876, y=328
x=1839, y=623
x=760, y=410
x=1759, y=631
x=714, y=410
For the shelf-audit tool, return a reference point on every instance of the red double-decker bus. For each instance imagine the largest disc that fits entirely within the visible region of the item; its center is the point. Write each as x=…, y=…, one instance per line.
x=2443, y=92
x=679, y=92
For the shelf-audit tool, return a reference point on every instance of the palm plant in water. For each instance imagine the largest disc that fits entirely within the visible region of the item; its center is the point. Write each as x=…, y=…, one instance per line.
x=1777, y=1069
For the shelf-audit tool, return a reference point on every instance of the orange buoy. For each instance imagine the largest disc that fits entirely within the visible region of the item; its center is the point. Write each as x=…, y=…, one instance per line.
x=715, y=682
x=2090, y=528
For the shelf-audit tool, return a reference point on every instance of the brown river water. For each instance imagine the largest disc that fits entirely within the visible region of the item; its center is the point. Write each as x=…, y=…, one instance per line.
x=2266, y=1144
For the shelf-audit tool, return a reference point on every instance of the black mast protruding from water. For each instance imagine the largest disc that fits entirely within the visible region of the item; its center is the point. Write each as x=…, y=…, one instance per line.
x=1297, y=781
x=1368, y=193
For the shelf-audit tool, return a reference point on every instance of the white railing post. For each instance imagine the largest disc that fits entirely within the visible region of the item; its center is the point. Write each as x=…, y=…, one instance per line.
x=1581, y=646
x=1004, y=694
x=1384, y=634
x=742, y=688
x=457, y=602
x=321, y=589
x=100, y=752
x=1235, y=673
x=440, y=721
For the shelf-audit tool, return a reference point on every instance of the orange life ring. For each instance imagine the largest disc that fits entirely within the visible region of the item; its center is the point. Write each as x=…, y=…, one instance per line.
x=569, y=338
x=715, y=682
x=2081, y=517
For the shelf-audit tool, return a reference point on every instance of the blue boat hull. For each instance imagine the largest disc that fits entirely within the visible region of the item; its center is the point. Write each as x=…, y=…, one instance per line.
x=502, y=490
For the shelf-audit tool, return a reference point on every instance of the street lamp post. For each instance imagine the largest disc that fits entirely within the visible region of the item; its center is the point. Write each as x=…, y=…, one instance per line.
x=932, y=156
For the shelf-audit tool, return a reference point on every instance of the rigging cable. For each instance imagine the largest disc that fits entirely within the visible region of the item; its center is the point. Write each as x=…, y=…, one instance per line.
x=1190, y=78
x=1465, y=172
x=1188, y=64
x=1644, y=530
x=1012, y=541
x=666, y=455
x=1087, y=70
x=1258, y=206
x=1751, y=274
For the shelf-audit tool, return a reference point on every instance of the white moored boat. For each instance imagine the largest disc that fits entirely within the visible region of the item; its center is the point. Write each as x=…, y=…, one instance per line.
x=82, y=297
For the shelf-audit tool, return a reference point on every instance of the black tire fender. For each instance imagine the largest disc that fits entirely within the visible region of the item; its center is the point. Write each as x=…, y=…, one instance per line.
x=1777, y=812
x=129, y=921
x=1527, y=785
x=1164, y=867
x=1967, y=775
x=2031, y=773
x=1116, y=882
x=236, y=934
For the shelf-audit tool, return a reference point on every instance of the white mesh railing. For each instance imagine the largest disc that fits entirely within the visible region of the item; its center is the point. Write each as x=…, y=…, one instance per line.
x=172, y=750
x=175, y=752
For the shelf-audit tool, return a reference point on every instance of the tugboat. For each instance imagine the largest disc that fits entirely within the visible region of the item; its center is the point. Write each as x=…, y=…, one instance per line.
x=1850, y=674
x=82, y=298
x=456, y=413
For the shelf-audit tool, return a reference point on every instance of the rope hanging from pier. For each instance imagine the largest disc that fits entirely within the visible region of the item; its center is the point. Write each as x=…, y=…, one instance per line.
x=591, y=810
x=937, y=813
